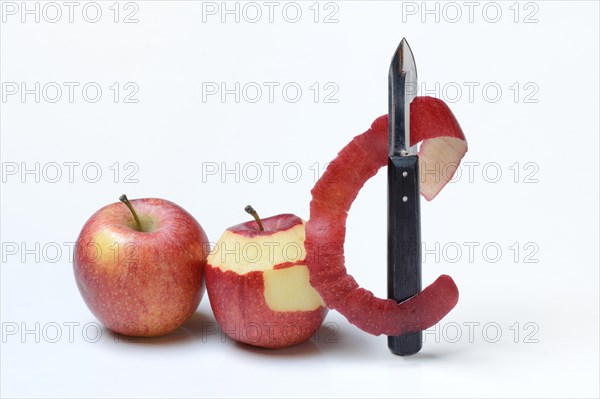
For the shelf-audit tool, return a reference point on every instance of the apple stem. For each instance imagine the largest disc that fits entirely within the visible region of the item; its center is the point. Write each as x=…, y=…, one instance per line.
x=251, y=211
x=123, y=199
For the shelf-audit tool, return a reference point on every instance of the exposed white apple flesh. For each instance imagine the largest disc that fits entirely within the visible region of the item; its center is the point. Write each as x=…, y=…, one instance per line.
x=242, y=253
x=438, y=160
x=289, y=289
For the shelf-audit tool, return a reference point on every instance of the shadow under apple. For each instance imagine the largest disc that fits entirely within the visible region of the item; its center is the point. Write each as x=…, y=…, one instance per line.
x=191, y=330
x=303, y=349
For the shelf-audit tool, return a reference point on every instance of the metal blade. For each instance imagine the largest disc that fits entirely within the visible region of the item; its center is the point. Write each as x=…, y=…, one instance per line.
x=402, y=85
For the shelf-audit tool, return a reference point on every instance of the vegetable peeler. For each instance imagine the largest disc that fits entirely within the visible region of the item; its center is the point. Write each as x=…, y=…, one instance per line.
x=404, y=214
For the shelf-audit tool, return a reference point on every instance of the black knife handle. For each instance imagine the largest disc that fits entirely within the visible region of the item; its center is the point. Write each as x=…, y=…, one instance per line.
x=404, y=242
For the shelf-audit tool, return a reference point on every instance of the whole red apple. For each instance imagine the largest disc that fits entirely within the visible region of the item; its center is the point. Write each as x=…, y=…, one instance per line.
x=258, y=283
x=139, y=266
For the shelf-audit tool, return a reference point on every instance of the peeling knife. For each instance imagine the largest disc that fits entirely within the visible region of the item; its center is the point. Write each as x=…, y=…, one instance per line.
x=404, y=215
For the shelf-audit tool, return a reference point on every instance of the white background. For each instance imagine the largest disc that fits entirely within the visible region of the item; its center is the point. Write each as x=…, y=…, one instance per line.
x=547, y=130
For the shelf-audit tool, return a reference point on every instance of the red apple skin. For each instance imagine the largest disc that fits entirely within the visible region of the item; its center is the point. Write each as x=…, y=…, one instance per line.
x=141, y=283
x=271, y=225
x=238, y=301
x=240, y=308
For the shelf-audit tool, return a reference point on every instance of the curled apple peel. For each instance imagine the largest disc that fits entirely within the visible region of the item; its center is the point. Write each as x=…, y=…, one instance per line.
x=443, y=147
